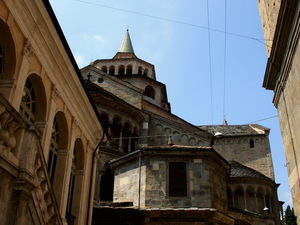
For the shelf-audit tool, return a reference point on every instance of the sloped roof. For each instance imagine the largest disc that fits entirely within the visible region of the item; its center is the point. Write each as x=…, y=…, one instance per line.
x=236, y=130
x=239, y=170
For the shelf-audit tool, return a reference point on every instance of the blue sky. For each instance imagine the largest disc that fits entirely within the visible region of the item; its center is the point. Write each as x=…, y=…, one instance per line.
x=208, y=74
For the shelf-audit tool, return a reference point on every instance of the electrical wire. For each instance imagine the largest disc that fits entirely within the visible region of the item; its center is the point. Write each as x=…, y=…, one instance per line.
x=225, y=58
x=189, y=133
x=260, y=40
x=271, y=117
x=210, y=70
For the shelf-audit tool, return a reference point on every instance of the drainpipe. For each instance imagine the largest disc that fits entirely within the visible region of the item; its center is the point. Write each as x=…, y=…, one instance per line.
x=139, y=200
x=89, y=217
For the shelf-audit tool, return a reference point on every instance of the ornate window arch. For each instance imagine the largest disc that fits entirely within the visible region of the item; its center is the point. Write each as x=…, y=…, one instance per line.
x=33, y=102
x=28, y=102
x=58, y=144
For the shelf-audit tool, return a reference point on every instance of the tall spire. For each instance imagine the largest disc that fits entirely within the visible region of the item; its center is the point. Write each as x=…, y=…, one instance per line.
x=126, y=45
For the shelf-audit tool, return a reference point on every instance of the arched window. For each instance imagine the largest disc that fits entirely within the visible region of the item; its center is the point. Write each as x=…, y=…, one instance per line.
x=251, y=143
x=7, y=52
x=250, y=199
x=268, y=208
x=145, y=72
x=104, y=69
x=239, y=199
x=150, y=92
x=260, y=200
x=52, y=158
x=33, y=102
x=28, y=102
x=69, y=215
x=121, y=70
x=129, y=70
x=140, y=71
x=111, y=70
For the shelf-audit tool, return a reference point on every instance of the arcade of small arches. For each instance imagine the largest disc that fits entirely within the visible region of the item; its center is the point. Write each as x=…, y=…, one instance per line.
x=123, y=135
x=125, y=70
x=249, y=198
x=163, y=133
x=32, y=108
x=251, y=142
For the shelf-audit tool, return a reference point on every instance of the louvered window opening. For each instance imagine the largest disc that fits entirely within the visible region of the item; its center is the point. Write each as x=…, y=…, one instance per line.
x=177, y=179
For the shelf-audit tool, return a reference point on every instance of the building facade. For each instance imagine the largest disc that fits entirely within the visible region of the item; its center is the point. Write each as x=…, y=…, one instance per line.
x=282, y=76
x=52, y=122
x=49, y=127
x=223, y=181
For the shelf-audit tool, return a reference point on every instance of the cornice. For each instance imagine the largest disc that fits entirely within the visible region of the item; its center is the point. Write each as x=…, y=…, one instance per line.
x=283, y=49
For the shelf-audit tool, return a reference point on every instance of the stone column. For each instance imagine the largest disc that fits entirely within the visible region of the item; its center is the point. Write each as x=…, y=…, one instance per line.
x=256, y=204
x=245, y=199
x=18, y=212
x=121, y=137
x=60, y=177
x=129, y=143
x=109, y=132
x=78, y=195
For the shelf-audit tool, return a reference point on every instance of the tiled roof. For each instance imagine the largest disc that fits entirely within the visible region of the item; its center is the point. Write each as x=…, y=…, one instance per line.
x=239, y=170
x=176, y=147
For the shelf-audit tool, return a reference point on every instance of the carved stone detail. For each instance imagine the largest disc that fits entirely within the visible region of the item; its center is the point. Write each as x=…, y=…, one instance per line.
x=74, y=124
x=55, y=93
x=27, y=48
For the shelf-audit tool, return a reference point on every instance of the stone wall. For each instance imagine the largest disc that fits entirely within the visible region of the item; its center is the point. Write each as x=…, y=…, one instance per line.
x=269, y=10
x=288, y=111
x=258, y=157
x=206, y=181
x=126, y=183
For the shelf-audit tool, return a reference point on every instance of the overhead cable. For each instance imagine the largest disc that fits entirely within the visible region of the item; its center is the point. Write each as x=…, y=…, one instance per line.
x=174, y=21
x=210, y=70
